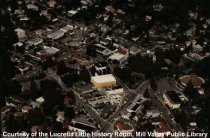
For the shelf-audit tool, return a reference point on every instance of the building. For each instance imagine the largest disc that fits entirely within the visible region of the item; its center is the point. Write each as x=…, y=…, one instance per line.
x=51, y=3
x=40, y=100
x=67, y=28
x=75, y=129
x=161, y=129
x=107, y=52
x=172, y=99
x=126, y=115
x=136, y=106
x=32, y=7
x=101, y=68
x=156, y=121
x=83, y=120
x=115, y=96
x=197, y=81
x=193, y=56
x=26, y=109
x=48, y=50
x=197, y=48
x=134, y=50
x=35, y=41
x=60, y=116
x=192, y=126
x=22, y=67
x=72, y=12
x=103, y=80
x=82, y=126
x=100, y=48
x=121, y=55
x=20, y=33
x=153, y=113
x=124, y=127
x=56, y=35
x=18, y=44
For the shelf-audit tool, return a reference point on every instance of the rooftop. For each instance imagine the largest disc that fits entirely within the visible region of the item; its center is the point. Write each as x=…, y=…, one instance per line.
x=55, y=35
x=173, y=96
x=163, y=127
x=123, y=126
x=103, y=78
x=196, y=80
x=122, y=51
x=101, y=64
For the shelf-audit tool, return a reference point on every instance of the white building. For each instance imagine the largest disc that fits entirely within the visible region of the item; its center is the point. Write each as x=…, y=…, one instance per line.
x=18, y=44
x=48, y=50
x=56, y=35
x=35, y=41
x=153, y=113
x=121, y=55
x=20, y=33
x=115, y=96
x=32, y=7
x=40, y=100
x=67, y=28
x=123, y=127
x=197, y=47
x=103, y=80
x=172, y=99
x=126, y=115
x=72, y=12
x=74, y=129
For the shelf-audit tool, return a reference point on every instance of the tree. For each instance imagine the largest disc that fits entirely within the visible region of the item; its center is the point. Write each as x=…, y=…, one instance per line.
x=202, y=68
x=174, y=55
x=189, y=89
x=91, y=51
x=70, y=113
x=35, y=116
x=61, y=68
x=7, y=38
x=182, y=118
x=84, y=75
x=58, y=128
x=11, y=124
x=146, y=93
x=35, y=92
x=48, y=63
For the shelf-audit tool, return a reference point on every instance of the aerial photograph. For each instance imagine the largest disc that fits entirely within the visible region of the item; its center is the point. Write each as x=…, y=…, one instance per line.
x=105, y=68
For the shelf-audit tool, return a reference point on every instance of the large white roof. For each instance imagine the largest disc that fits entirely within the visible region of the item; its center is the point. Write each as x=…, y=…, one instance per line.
x=103, y=78
x=116, y=56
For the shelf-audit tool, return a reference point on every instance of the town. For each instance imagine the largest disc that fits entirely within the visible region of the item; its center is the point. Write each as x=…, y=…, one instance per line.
x=105, y=67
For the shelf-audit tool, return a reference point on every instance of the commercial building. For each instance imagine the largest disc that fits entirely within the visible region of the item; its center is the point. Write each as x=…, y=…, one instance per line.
x=162, y=128
x=72, y=12
x=35, y=41
x=82, y=126
x=56, y=35
x=48, y=50
x=196, y=80
x=67, y=28
x=153, y=113
x=172, y=99
x=124, y=127
x=120, y=56
x=115, y=96
x=103, y=80
x=101, y=68
x=20, y=33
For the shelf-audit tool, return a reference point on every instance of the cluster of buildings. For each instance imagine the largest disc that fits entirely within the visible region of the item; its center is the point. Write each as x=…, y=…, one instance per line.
x=196, y=81
x=172, y=99
x=104, y=95
x=64, y=40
